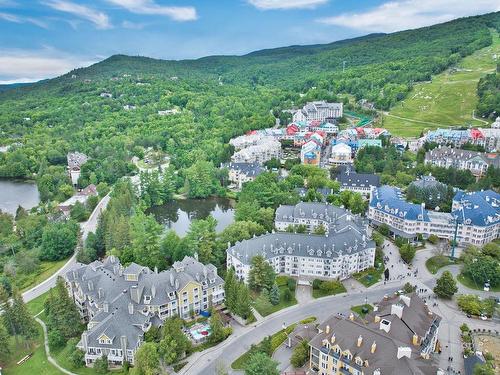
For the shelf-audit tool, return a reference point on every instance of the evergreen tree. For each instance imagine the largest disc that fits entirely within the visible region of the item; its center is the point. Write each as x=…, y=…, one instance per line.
x=16, y=318
x=230, y=288
x=4, y=343
x=274, y=296
x=243, y=302
x=62, y=316
x=446, y=286
x=261, y=275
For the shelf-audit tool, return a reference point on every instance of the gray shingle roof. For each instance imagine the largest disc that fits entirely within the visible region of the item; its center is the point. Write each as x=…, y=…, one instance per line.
x=349, y=177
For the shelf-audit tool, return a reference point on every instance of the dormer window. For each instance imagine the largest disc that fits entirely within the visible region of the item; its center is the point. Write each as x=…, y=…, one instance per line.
x=147, y=299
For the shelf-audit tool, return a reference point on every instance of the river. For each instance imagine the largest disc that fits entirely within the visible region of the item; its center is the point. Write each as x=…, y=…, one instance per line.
x=179, y=214
x=17, y=193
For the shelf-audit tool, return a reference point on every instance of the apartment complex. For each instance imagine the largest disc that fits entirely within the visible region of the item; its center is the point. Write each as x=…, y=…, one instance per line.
x=121, y=303
x=341, y=155
x=489, y=138
x=362, y=183
x=476, y=162
x=475, y=217
x=260, y=153
x=75, y=161
x=310, y=153
x=239, y=173
x=397, y=338
x=345, y=249
x=319, y=111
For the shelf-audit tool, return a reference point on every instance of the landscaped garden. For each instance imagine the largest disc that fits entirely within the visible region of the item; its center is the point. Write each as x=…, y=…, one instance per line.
x=436, y=262
x=263, y=301
x=323, y=288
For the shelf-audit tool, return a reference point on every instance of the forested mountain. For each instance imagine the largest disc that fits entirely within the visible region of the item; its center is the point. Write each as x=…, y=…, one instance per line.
x=218, y=97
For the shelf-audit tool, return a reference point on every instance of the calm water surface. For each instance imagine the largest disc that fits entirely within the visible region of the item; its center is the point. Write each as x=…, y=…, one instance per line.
x=178, y=215
x=17, y=193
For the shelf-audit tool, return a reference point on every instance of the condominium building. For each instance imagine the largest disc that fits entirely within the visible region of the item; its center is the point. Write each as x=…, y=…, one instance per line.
x=75, y=161
x=120, y=303
x=247, y=140
x=340, y=154
x=239, y=173
x=344, y=250
x=475, y=217
x=259, y=153
x=398, y=338
x=320, y=111
x=362, y=183
x=310, y=153
x=475, y=162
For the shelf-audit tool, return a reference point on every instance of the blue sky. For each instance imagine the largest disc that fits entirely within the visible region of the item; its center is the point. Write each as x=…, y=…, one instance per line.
x=45, y=38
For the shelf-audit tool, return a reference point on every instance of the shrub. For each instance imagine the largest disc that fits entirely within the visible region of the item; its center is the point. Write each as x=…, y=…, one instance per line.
x=101, y=365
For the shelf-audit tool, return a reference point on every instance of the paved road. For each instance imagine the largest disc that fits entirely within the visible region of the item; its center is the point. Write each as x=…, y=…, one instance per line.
x=89, y=226
x=225, y=353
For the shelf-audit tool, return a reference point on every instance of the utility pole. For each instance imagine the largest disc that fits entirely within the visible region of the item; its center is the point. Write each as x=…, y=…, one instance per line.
x=454, y=243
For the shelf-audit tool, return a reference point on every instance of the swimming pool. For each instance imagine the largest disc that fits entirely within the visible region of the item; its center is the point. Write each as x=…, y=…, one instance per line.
x=200, y=331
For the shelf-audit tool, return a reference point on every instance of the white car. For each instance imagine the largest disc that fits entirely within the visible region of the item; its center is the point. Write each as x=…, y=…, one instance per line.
x=483, y=317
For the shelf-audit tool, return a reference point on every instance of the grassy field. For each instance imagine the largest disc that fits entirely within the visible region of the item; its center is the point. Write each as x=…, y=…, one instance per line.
x=448, y=100
x=466, y=281
x=334, y=287
x=264, y=307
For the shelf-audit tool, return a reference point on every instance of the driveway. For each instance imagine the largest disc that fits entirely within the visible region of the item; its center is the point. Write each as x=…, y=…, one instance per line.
x=303, y=293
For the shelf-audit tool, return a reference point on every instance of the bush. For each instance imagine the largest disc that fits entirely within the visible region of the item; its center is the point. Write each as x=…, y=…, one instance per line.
x=101, y=365
x=300, y=354
x=291, y=284
x=407, y=252
x=433, y=239
x=56, y=339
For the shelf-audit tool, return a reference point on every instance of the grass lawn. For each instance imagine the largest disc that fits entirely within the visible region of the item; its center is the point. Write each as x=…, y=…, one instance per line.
x=359, y=309
x=37, y=364
x=336, y=288
x=265, y=307
x=47, y=269
x=276, y=340
x=36, y=305
x=436, y=262
x=369, y=276
x=446, y=101
x=466, y=281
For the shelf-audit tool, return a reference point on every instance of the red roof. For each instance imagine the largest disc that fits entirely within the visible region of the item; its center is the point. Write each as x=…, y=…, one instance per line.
x=476, y=133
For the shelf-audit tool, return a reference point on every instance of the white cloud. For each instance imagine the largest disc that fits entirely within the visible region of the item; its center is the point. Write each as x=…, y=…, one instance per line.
x=16, y=19
x=132, y=25
x=34, y=65
x=100, y=19
x=408, y=14
x=149, y=7
x=286, y=4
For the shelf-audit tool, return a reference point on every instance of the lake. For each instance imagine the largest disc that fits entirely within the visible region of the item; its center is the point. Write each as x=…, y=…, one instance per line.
x=17, y=193
x=179, y=214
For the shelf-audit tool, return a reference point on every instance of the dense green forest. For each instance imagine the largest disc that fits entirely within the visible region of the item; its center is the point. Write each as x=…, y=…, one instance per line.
x=488, y=90
x=217, y=97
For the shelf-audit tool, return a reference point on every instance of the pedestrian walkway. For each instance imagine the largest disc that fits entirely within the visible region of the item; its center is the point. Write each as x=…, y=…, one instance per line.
x=258, y=317
x=303, y=294
x=47, y=349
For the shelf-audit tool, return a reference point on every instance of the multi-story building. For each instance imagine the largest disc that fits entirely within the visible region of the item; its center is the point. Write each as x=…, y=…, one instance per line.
x=239, y=173
x=397, y=338
x=314, y=214
x=320, y=111
x=476, y=162
x=120, y=303
x=345, y=249
x=496, y=124
x=362, y=183
x=310, y=153
x=489, y=138
x=340, y=154
x=75, y=161
x=456, y=138
x=474, y=219
x=247, y=140
x=259, y=153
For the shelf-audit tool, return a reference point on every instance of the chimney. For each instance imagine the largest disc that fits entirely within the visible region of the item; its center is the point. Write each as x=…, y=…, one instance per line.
x=105, y=306
x=156, y=269
x=123, y=344
x=100, y=293
x=374, y=347
x=171, y=278
x=404, y=351
x=377, y=319
x=85, y=341
x=415, y=340
x=385, y=325
x=153, y=291
x=351, y=316
x=360, y=341
x=90, y=285
x=405, y=299
x=130, y=308
x=134, y=293
x=332, y=340
x=327, y=330
x=397, y=309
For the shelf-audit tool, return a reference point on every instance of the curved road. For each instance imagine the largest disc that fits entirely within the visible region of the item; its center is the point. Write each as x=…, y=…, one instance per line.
x=89, y=226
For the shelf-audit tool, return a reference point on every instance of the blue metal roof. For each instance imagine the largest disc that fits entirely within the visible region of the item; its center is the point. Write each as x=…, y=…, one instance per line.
x=481, y=208
x=390, y=200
